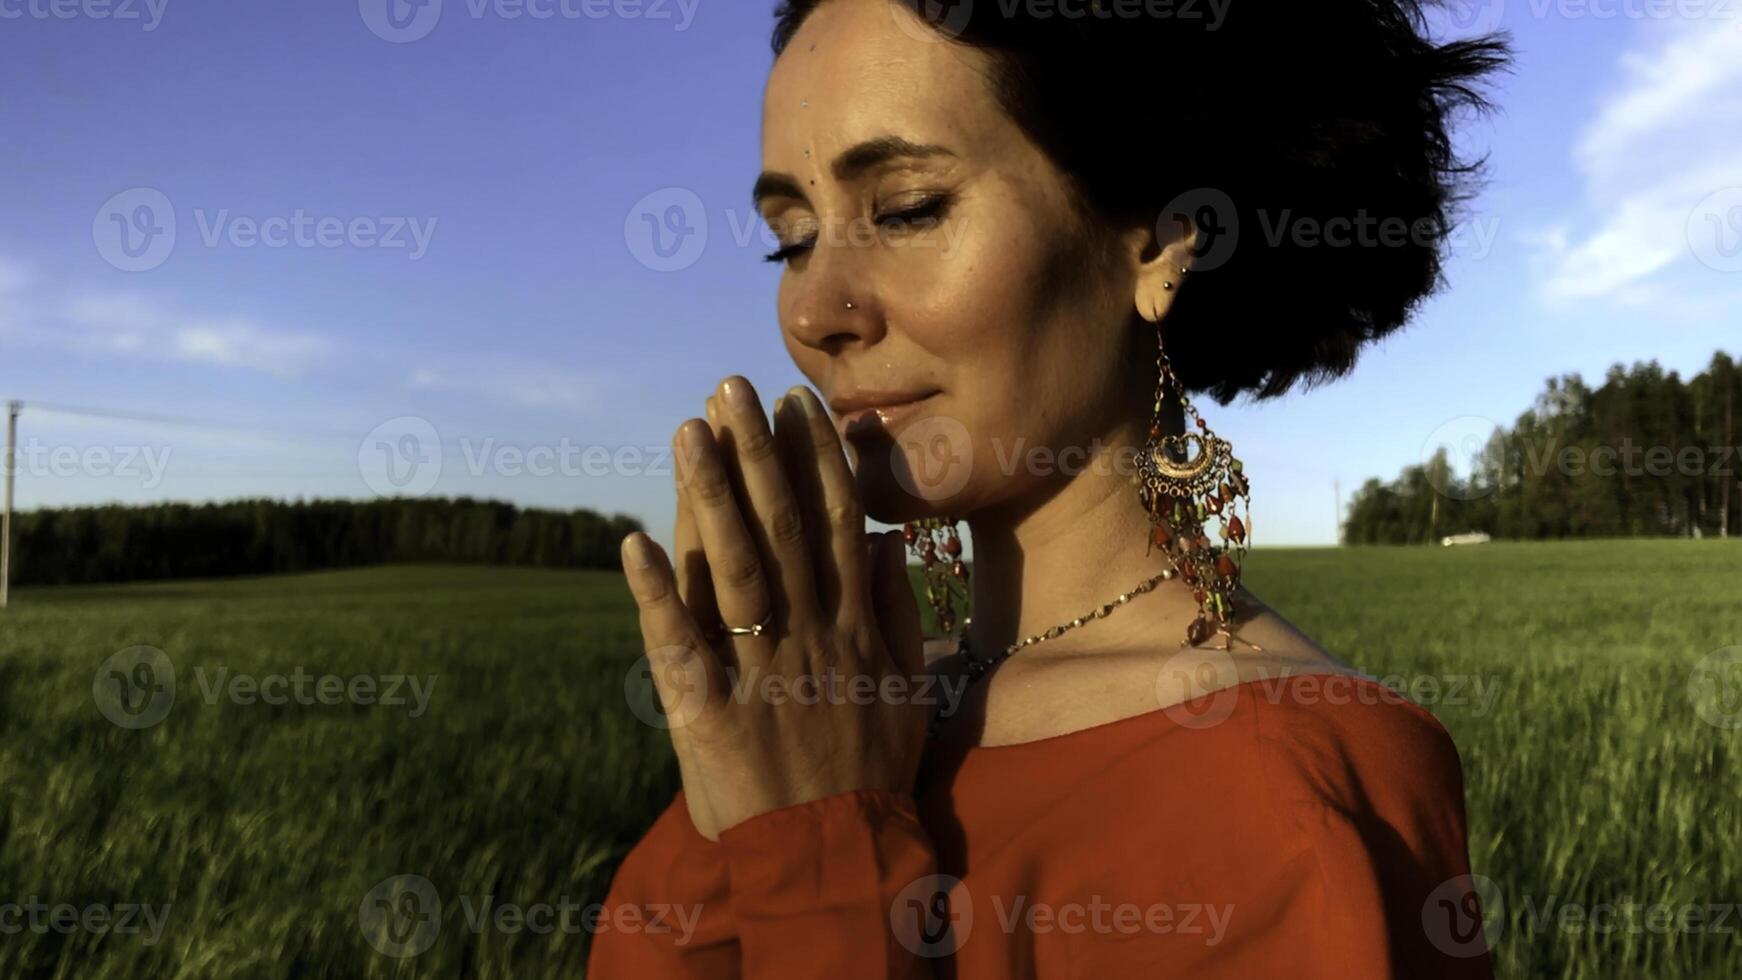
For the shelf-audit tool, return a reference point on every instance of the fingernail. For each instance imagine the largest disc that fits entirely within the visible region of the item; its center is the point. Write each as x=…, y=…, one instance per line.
x=738, y=393
x=691, y=434
x=640, y=550
x=805, y=401
x=780, y=406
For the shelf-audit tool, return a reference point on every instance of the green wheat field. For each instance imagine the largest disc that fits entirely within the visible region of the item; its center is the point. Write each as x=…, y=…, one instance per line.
x=1582, y=681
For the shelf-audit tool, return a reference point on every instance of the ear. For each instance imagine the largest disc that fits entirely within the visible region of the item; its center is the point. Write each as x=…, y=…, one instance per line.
x=1161, y=253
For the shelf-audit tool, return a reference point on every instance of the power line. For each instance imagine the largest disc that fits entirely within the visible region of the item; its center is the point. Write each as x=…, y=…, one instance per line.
x=131, y=416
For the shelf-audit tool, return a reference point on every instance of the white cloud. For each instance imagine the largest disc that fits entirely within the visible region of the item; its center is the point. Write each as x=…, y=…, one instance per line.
x=1666, y=140
x=135, y=325
x=124, y=324
x=13, y=276
x=518, y=383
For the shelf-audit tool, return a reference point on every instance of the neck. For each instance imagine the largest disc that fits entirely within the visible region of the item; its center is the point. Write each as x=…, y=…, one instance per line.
x=1064, y=552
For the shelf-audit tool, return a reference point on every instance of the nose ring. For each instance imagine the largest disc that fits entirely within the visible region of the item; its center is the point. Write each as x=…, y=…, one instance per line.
x=849, y=304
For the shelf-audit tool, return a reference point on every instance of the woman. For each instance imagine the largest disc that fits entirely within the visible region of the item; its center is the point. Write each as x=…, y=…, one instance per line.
x=1005, y=228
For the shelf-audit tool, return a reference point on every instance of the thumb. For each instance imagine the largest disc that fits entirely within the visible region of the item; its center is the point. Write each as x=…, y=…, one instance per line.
x=896, y=604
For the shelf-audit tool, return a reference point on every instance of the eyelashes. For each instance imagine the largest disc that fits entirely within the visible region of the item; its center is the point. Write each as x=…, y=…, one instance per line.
x=924, y=215
x=786, y=252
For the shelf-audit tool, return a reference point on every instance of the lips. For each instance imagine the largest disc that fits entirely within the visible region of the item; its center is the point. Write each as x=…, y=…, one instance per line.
x=876, y=411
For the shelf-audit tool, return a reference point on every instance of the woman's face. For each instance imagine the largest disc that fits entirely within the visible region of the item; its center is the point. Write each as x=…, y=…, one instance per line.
x=896, y=183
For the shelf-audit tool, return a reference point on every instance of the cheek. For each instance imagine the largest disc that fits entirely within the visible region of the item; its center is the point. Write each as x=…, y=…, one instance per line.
x=974, y=287
x=1005, y=305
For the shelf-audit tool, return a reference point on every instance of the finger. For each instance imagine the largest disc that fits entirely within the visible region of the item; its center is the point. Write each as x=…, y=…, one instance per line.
x=695, y=581
x=716, y=421
x=690, y=681
x=897, y=606
x=824, y=462
x=775, y=520
x=793, y=434
x=741, y=589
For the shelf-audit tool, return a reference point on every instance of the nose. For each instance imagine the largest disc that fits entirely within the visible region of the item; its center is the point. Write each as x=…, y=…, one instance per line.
x=829, y=308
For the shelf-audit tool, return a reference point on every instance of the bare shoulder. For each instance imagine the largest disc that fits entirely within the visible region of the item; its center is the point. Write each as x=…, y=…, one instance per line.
x=1266, y=646
x=1038, y=696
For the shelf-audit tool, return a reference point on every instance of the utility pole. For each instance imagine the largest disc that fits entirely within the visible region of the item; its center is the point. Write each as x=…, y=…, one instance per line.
x=1728, y=477
x=10, y=464
x=1337, y=490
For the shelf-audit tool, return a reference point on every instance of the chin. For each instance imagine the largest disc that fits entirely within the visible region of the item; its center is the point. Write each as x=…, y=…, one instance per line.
x=892, y=490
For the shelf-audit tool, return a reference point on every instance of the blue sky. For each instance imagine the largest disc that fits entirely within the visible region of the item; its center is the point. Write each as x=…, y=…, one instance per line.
x=395, y=235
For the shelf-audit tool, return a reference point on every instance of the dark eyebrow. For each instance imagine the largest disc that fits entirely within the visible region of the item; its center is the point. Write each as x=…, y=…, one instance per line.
x=852, y=162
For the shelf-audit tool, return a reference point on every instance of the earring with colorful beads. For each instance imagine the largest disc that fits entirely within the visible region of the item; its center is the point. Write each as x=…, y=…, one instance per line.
x=938, y=546
x=1186, y=481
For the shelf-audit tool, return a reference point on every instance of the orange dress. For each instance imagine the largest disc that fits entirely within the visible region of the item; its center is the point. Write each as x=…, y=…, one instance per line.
x=1301, y=827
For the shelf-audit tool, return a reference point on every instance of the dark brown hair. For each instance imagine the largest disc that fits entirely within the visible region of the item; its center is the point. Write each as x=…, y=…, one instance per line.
x=1278, y=127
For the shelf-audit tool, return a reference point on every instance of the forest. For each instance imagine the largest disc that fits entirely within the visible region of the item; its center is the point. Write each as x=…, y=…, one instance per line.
x=1644, y=454
x=115, y=543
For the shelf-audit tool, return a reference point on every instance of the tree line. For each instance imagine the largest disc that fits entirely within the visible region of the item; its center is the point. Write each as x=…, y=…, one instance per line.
x=1645, y=453
x=115, y=543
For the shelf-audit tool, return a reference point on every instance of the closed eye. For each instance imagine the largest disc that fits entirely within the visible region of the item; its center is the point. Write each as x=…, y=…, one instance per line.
x=924, y=215
x=786, y=252
x=927, y=212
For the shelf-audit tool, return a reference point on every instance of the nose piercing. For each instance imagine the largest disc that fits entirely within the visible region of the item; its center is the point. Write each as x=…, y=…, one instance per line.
x=849, y=304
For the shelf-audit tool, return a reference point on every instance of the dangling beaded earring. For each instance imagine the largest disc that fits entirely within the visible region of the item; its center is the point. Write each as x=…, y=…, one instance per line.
x=938, y=545
x=1183, y=481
